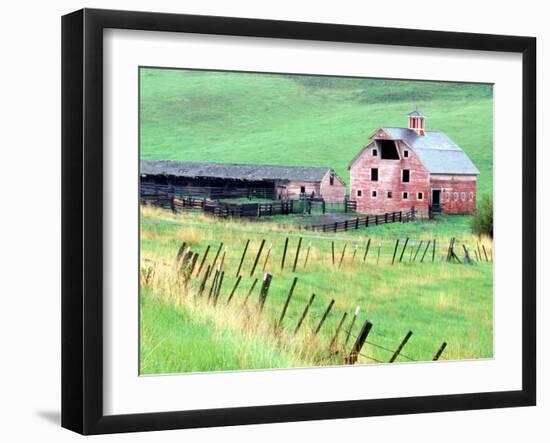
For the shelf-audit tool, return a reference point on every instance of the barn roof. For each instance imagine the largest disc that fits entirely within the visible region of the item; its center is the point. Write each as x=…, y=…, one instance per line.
x=437, y=152
x=416, y=114
x=234, y=171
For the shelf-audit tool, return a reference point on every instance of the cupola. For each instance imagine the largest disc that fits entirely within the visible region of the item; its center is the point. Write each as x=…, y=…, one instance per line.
x=416, y=122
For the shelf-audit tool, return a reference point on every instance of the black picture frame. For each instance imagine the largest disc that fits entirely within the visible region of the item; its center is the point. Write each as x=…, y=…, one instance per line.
x=82, y=218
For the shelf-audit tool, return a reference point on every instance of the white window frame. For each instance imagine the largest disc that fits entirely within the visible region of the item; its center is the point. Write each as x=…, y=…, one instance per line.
x=405, y=153
x=463, y=196
x=403, y=172
x=388, y=192
x=455, y=196
x=471, y=195
x=377, y=174
x=359, y=193
x=420, y=196
x=376, y=193
x=447, y=196
x=375, y=152
x=403, y=195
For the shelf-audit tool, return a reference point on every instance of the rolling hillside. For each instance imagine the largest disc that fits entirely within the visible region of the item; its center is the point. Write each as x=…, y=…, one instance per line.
x=300, y=120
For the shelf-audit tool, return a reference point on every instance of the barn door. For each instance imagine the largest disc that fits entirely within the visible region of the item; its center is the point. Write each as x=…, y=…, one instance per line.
x=436, y=199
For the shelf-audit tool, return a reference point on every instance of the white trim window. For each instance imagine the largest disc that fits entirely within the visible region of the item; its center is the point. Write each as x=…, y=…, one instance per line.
x=373, y=193
x=455, y=196
x=471, y=196
x=405, y=153
x=463, y=196
x=359, y=193
x=389, y=194
x=405, y=195
x=420, y=196
x=405, y=175
x=447, y=196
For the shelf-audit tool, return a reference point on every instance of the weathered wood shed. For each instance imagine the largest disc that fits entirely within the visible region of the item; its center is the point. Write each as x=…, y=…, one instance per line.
x=226, y=180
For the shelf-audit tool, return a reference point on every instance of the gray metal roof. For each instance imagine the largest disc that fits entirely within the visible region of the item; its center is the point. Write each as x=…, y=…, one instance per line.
x=416, y=114
x=437, y=152
x=232, y=170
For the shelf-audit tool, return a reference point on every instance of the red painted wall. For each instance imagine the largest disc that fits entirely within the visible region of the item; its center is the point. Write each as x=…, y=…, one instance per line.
x=331, y=193
x=389, y=179
x=458, y=192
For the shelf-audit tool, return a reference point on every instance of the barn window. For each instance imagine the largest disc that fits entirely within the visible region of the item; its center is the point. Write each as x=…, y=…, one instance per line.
x=455, y=195
x=375, y=152
x=359, y=193
x=374, y=174
x=447, y=196
x=406, y=153
x=406, y=175
x=373, y=193
x=463, y=196
x=389, y=150
x=390, y=194
x=420, y=196
x=331, y=179
x=302, y=189
x=405, y=195
x=471, y=196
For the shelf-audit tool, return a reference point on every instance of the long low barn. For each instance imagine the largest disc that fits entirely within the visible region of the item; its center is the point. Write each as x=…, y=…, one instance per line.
x=230, y=180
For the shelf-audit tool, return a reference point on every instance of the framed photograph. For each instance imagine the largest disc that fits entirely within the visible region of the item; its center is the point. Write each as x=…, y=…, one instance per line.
x=269, y=221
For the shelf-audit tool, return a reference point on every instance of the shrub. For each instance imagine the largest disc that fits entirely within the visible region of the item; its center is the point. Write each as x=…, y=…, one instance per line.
x=482, y=223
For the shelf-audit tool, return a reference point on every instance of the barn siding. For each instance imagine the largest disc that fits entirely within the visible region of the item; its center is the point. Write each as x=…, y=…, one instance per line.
x=332, y=193
x=450, y=184
x=389, y=179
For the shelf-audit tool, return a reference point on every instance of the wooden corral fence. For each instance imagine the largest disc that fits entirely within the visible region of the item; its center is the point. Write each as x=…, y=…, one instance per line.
x=364, y=221
x=221, y=209
x=148, y=188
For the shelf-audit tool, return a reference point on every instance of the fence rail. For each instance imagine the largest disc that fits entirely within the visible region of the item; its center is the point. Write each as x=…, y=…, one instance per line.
x=364, y=222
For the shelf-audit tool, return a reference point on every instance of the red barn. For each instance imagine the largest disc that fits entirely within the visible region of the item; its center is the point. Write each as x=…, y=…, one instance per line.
x=404, y=167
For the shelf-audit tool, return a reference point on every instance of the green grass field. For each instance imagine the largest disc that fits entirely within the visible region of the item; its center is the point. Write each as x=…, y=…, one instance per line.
x=297, y=120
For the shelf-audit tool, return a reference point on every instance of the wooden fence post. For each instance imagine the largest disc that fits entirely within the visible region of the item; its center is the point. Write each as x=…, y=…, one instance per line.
x=216, y=256
x=218, y=288
x=400, y=347
x=433, y=252
x=307, y=255
x=378, y=255
x=354, y=318
x=342, y=256
x=440, y=351
x=234, y=289
x=203, y=260
x=250, y=290
x=257, y=257
x=337, y=332
x=425, y=250
x=417, y=250
x=214, y=282
x=304, y=313
x=242, y=258
x=354, y=254
x=325, y=315
x=366, y=251
x=484, y=252
x=359, y=342
x=204, y=279
x=180, y=251
x=297, y=254
x=284, y=255
x=285, y=307
x=395, y=251
x=267, y=257
x=264, y=290
x=403, y=251
x=332, y=252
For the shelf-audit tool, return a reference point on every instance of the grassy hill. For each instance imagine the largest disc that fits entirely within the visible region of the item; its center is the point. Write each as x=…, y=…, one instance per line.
x=300, y=120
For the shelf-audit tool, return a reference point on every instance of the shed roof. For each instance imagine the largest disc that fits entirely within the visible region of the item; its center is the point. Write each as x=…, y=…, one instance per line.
x=232, y=171
x=437, y=152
